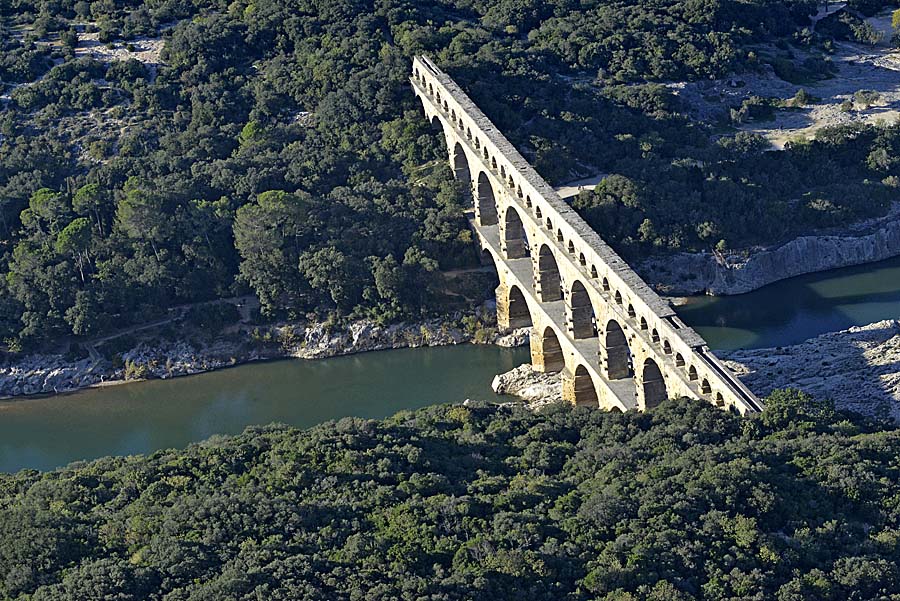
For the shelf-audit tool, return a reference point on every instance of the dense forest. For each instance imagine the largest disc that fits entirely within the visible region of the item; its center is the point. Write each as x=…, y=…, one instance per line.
x=275, y=146
x=477, y=502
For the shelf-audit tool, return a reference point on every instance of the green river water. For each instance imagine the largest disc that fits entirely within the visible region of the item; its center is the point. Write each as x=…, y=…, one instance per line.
x=142, y=417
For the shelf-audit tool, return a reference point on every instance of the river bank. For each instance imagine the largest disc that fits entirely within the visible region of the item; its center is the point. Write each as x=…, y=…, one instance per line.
x=857, y=368
x=686, y=274
x=155, y=358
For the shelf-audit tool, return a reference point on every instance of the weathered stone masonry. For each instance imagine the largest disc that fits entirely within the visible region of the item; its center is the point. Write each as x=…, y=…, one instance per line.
x=617, y=343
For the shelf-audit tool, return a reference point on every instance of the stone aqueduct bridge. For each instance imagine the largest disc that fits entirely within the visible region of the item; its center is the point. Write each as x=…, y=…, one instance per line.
x=617, y=343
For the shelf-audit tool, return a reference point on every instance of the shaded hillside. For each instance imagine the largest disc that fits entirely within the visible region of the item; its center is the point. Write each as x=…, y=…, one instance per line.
x=451, y=502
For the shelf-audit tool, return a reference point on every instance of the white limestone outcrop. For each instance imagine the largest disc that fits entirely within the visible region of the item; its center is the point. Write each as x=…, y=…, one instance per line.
x=704, y=273
x=535, y=388
x=858, y=368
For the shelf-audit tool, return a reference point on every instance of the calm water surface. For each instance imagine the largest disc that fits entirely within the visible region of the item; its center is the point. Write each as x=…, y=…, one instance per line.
x=791, y=311
x=158, y=414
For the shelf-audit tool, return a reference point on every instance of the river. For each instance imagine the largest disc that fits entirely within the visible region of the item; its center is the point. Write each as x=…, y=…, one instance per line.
x=145, y=416
x=790, y=311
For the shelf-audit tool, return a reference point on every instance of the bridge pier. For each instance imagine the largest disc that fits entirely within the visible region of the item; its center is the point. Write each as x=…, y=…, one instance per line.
x=546, y=352
x=512, y=308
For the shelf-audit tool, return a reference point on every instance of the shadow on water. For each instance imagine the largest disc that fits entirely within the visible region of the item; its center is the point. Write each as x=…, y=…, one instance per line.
x=790, y=311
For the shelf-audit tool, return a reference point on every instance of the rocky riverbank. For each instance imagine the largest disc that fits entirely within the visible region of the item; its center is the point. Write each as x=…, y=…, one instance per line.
x=535, y=388
x=55, y=373
x=736, y=273
x=859, y=368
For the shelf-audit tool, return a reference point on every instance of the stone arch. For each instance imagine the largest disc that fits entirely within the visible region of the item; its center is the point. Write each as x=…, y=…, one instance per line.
x=705, y=388
x=511, y=183
x=494, y=163
x=519, y=192
x=513, y=243
x=644, y=325
x=618, y=297
x=653, y=384
x=584, y=389
x=469, y=133
x=519, y=315
x=485, y=153
x=605, y=284
x=571, y=247
x=549, y=223
x=547, y=279
x=582, y=321
x=654, y=336
x=594, y=273
x=537, y=212
x=487, y=204
x=559, y=235
x=616, y=351
x=430, y=89
x=528, y=201
x=720, y=400
x=582, y=260
x=631, y=312
x=679, y=360
x=547, y=355
x=503, y=174
x=692, y=373
x=461, y=164
x=667, y=348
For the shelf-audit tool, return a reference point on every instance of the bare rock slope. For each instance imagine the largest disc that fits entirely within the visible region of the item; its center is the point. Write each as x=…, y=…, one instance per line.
x=858, y=368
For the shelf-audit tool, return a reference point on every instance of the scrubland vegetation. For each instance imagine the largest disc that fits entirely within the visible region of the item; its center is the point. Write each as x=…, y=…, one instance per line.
x=451, y=502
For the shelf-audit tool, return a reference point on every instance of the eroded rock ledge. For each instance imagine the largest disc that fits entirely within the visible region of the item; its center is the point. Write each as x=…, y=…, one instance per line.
x=704, y=273
x=535, y=388
x=859, y=368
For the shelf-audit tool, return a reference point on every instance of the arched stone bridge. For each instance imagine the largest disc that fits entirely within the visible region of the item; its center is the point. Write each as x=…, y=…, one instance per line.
x=617, y=343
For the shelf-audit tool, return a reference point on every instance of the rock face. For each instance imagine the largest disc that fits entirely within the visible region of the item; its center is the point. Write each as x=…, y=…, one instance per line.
x=37, y=374
x=692, y=273
x=317, y=341
x=858, y=368
x=516, y=338
x=535, y=388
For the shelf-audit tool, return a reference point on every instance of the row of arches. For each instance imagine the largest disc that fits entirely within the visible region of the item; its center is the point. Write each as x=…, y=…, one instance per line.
x=584, y=389
x=616, y=359
x=582, y=321
x=547, y=278
x=486, y=208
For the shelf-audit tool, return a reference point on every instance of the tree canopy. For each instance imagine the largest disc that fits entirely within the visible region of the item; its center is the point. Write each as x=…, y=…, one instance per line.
x=477, y=502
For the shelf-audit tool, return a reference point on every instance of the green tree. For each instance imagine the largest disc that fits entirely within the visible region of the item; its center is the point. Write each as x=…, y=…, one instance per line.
x=75, y=240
